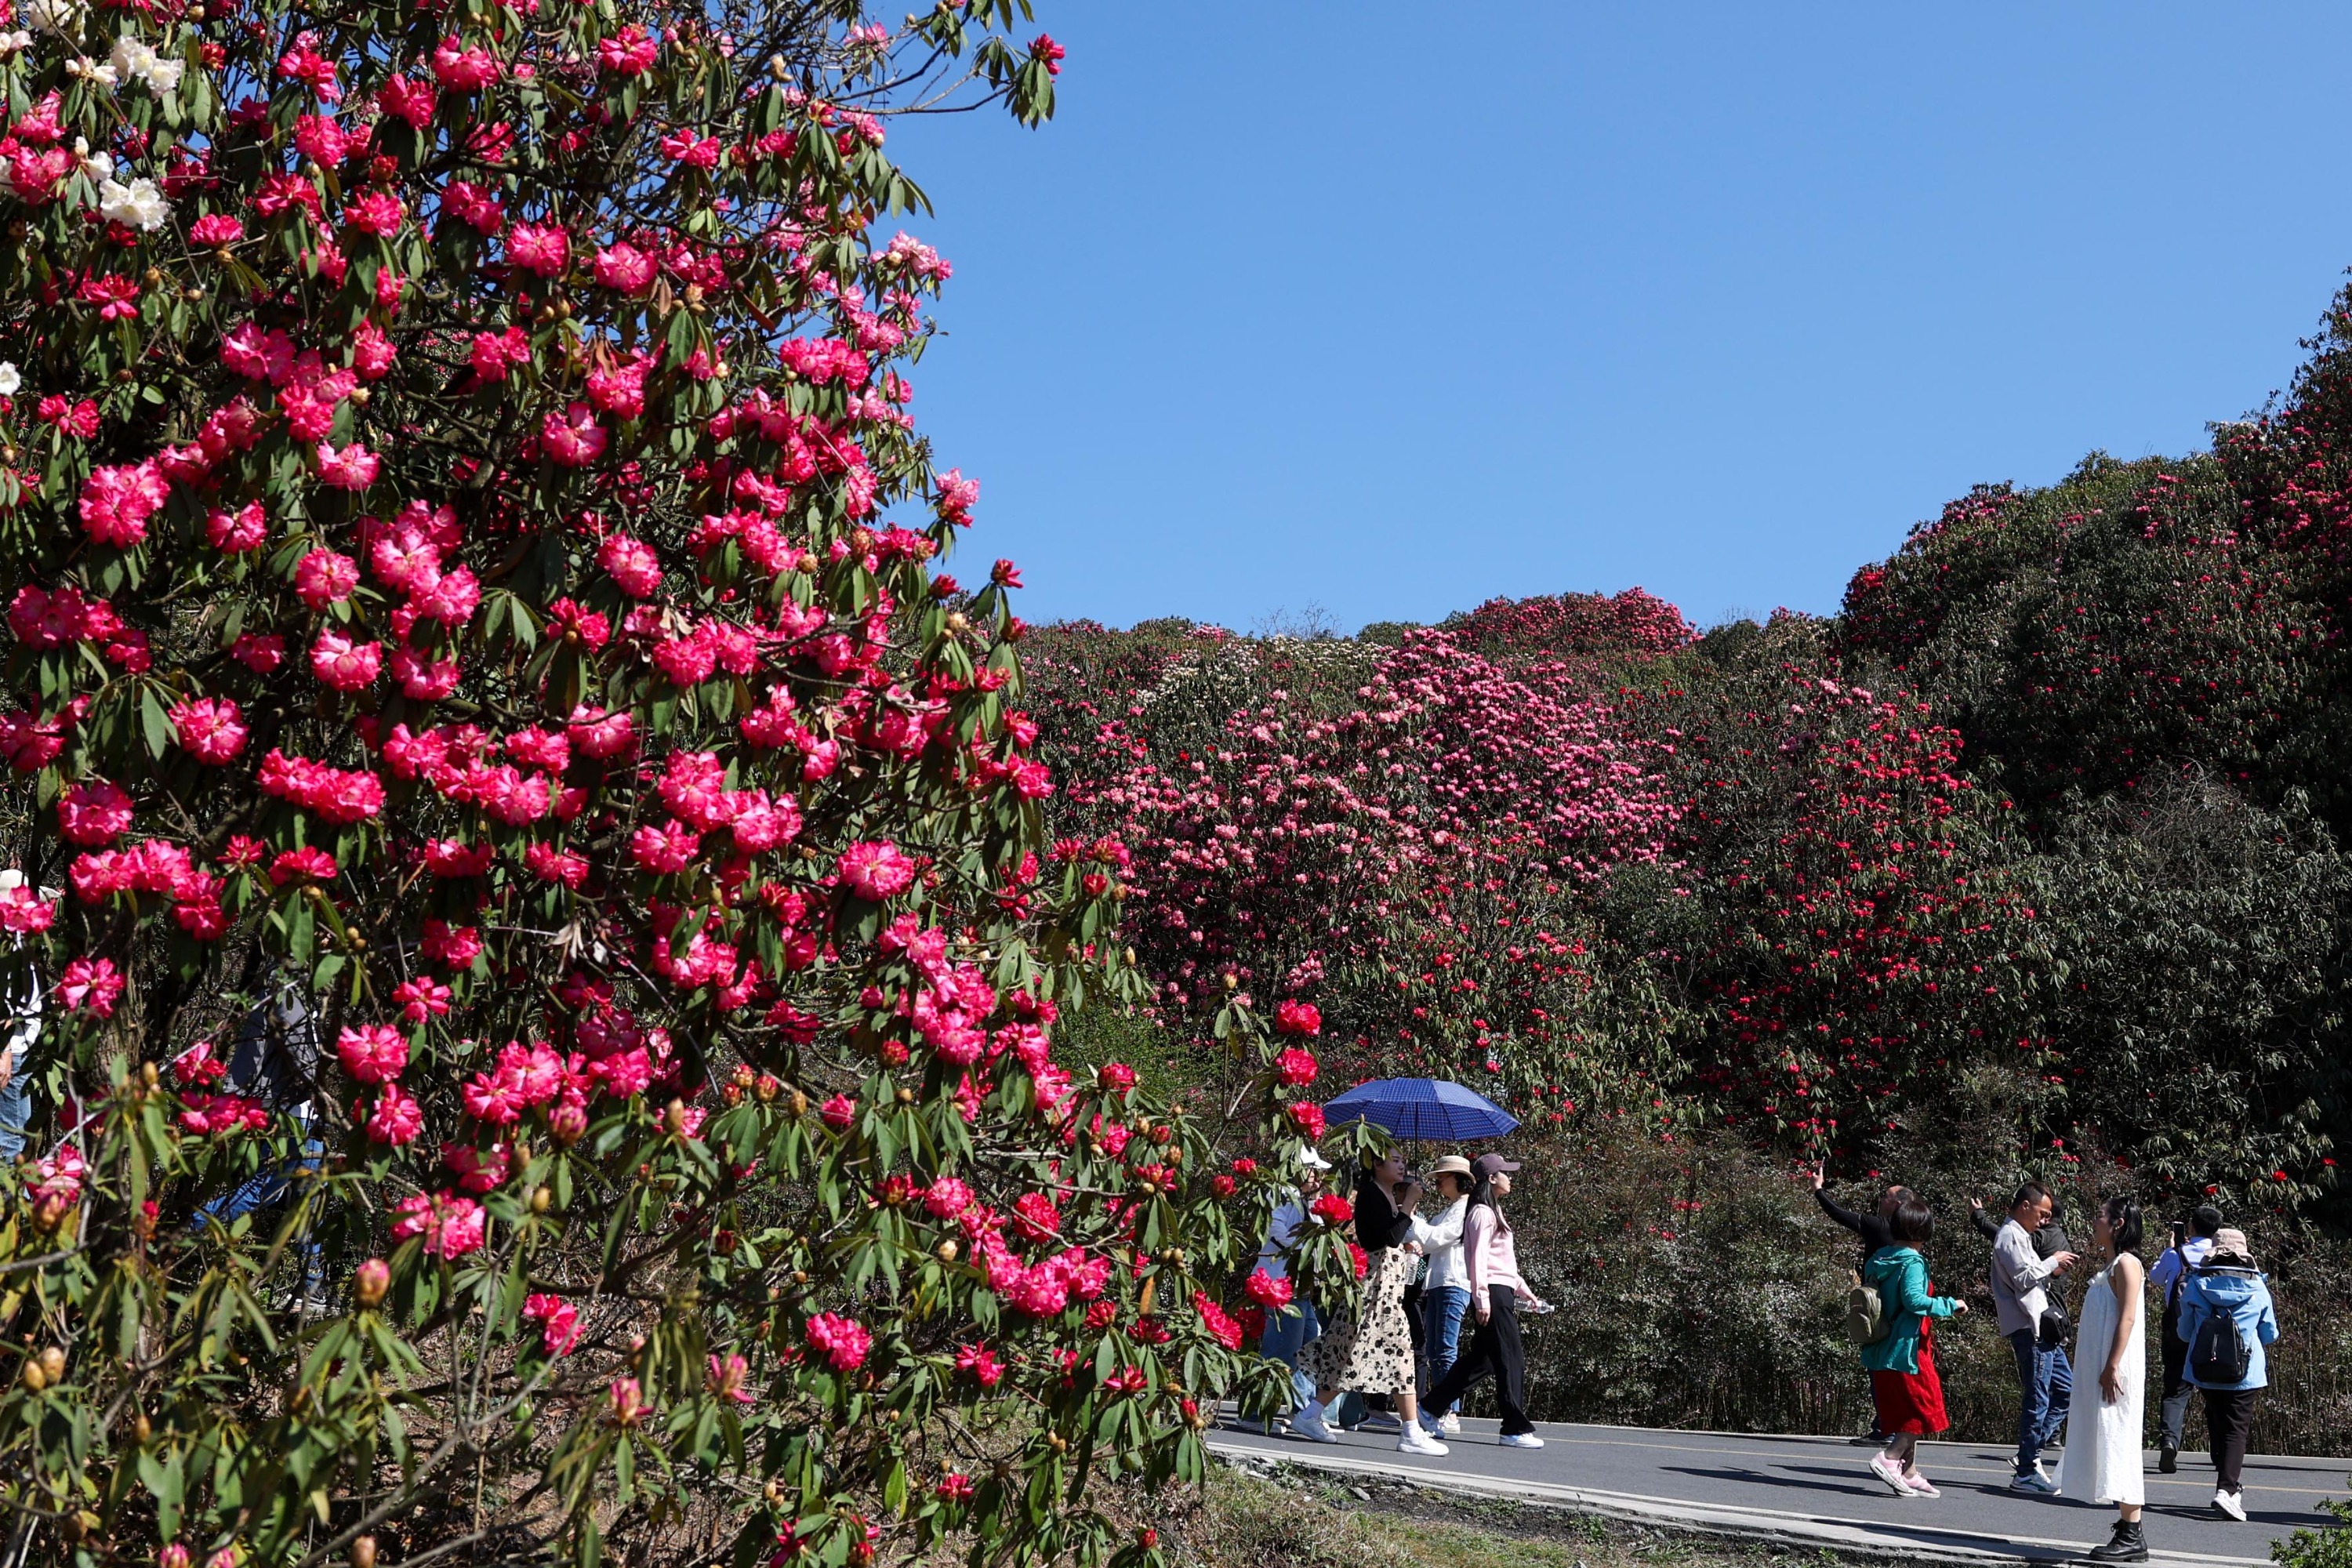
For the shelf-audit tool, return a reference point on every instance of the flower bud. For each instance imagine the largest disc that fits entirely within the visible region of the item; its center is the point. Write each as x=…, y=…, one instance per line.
x=374, y=1278
x=363, y=1553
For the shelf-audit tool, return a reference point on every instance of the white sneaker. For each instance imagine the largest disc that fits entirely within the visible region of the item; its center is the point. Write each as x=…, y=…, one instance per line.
x=1310, y=1424
x=2232, y=1504
x=1451, y=1425
x=1416, y=1441
x=1890, y=1474
x=1521, y=1441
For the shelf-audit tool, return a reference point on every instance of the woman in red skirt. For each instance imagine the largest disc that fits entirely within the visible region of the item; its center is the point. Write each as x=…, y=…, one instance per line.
x=1902, y=1361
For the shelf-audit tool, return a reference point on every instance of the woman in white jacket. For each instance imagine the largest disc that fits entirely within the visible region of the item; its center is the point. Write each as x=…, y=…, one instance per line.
x=1445, y=1289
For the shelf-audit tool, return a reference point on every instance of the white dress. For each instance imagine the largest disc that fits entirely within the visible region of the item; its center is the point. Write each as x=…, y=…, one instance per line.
x=2103, y=1460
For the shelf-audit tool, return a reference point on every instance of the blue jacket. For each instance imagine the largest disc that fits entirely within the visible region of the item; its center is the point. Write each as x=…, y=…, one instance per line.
x=2243, y=1296
x=1900, y=1275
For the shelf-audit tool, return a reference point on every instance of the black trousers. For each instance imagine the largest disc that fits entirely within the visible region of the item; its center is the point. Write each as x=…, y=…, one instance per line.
x=1494, y=1349
x=2229, y=1423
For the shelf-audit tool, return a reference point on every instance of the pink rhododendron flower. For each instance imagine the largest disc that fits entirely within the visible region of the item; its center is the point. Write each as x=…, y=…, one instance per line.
x=558, y=1320
x=451, y=1226
x=631, y=565
x=395, y=1120
x=92, y=983
x=344, y=665
x=353, y=468
x=116, y=503
x=875, y=871
x=574, y=439
x=94, y=812
x=324, y=577
x=625, y=269
x=372, y=1053
x=841, y=1341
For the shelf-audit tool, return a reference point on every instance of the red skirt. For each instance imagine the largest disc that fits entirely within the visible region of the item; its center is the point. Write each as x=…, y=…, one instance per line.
x=1911, y=1401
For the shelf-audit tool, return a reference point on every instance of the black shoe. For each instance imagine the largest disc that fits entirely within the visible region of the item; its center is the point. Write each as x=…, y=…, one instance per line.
x=2129, y=1545
x=2167, y=1460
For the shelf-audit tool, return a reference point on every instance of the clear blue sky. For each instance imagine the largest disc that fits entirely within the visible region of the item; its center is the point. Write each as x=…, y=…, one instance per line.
x=1394, y=308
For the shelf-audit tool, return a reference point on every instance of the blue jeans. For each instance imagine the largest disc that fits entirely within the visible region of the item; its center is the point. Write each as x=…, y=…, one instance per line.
x=263, y=1189
x=1285, y=1338
x=2046, y=1382
x=1442, y=1312
x=16, y=1112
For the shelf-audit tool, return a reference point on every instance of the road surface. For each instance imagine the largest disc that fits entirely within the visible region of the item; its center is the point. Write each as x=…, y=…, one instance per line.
x=1815, y=1491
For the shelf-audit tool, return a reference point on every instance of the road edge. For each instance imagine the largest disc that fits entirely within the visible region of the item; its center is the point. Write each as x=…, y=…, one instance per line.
x=1921, y=1544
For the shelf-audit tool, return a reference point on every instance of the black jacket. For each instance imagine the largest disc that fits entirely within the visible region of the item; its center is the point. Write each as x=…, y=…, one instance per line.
x=1379, y=1225
x=1871, y=1226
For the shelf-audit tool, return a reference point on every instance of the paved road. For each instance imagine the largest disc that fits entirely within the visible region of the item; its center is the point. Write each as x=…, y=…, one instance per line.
x=1816, y=1491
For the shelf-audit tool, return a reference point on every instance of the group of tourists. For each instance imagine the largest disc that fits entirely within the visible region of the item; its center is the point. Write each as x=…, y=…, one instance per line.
x=2216, y=1321
x=1400, y=1338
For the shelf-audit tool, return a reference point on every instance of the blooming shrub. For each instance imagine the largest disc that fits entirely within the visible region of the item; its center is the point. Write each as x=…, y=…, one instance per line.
x=474, y=591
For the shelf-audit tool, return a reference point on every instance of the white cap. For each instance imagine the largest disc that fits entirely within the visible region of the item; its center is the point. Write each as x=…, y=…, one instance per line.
x=1312, y=1161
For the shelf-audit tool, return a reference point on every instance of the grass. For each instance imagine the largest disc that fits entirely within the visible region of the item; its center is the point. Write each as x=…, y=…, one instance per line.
x=1300, y=1518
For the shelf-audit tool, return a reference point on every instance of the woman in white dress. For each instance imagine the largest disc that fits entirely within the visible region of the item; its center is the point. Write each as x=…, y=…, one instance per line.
x=2103, y=1461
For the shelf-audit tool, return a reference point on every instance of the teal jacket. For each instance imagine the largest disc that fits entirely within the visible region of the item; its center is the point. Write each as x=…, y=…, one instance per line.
x=1900, y=1275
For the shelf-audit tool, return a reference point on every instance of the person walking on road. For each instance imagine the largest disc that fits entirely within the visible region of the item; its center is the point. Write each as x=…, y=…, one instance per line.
x=1370, y=1348
x=1289, y=1334
x=1497, y=1295
x=2102, y=1461
x=1904, y=1386
x=2192, y=1243
x=2227, y=1317
x=1445, y=1291
x=2019, y=1301
x=1872, y=1228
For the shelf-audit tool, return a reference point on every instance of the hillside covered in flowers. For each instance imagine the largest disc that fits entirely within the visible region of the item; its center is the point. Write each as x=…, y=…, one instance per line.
x=2034, y=850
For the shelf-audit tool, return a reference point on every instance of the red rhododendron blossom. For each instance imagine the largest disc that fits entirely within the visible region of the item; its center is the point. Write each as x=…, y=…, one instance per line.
x=1298, y=1018
x=1306, y=1117
x=1268, y=1290
x=981, y=1365
x=1216, y=1323
x=1295, y=1069
x=1332, y=1209
x=454, y=946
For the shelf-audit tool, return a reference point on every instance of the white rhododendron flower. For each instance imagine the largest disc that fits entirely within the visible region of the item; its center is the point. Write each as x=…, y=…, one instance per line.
x=95, y=166
x=10, y=380
x=56, y=17
x=134, y=61
x=12, y=43
x=139, y=204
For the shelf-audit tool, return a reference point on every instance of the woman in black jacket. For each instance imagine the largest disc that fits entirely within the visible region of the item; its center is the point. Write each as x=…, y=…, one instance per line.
x=1369, y=1347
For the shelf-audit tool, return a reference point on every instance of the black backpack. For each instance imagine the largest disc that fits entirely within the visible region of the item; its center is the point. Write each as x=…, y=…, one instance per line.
x=2221, y=1354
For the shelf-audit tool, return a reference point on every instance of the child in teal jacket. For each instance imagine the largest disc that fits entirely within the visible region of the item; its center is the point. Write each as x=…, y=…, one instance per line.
x=1904, y=1382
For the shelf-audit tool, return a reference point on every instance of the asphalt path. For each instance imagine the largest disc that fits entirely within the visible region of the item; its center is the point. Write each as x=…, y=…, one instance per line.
x=1817, y=1490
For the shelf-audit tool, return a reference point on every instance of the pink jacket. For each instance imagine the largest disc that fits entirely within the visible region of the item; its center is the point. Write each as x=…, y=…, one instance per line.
x=1494, y=1260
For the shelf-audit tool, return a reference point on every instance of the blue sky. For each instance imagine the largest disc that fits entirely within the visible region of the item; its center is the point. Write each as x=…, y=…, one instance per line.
x=1389, y=308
